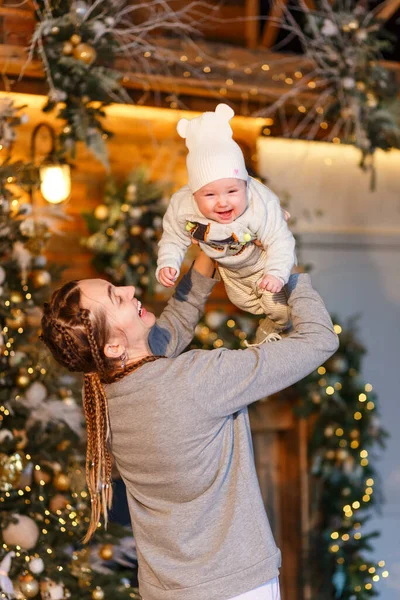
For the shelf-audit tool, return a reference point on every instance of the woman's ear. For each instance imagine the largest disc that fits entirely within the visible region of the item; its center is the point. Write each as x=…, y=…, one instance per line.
x=114, y=350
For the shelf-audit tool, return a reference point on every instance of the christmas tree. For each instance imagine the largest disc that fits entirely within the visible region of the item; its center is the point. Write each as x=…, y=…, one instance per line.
x=125, y=232
x=45, y=507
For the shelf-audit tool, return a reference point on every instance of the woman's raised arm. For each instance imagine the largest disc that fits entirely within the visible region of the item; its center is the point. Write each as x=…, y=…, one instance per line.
x=257, y=372
x=174, y=329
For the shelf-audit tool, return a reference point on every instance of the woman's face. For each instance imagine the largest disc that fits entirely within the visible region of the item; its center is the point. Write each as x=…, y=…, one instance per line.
x=129, y=322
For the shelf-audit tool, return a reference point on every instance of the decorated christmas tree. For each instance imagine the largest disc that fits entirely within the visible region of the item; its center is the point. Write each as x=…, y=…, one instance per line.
x=125, y=232
x=45, y=507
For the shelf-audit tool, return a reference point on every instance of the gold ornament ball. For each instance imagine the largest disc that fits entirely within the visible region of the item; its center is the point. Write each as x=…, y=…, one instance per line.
x=61, y=482
x=58, y=502
x=85, y=53
x=16, y=297
x=135, y=230
x=101, y=212
x=98, y=593
x=39, y=475
x=23, y=380
x=360, y=85
x=75, y=39
x=17, y=319
x=28, y=585
x=41, y=278
x=134, y=260
x=106, y=552
x=68, y=48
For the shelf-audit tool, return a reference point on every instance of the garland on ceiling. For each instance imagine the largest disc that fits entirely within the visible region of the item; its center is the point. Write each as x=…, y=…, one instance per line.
x=354, y=95
x=79, y=43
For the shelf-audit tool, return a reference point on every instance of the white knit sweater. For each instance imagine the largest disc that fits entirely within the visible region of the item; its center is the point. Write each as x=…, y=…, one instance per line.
x=262, y=220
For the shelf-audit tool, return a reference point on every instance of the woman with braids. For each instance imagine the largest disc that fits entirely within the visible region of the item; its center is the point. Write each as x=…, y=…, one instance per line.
x=178, y=428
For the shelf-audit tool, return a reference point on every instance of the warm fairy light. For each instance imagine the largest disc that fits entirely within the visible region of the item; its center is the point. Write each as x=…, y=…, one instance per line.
x=370, y=481
x=375, y=578
x=371, y=570
x=357, y=416
x=347, y=508
x=231, y=323
x=363, y=453
x=321, y=370
x=49, y=551
x=343, y=443
x=265, y=67
x=381, y=563
x=229, y=82
x=334, y=535
x=362, y=398
x=184, y=58
x=301, y=109
x=298, y=74
x=207, y=70
x=357, y=588
x=339, y=431
x=248, y=71
x=340, y=560
x=370, y=405
x=357, y=536
x=385, y=574
x=323, y=125
x=338, y=385
x=337, y=329
x=312, y=84
x=366, y=498
x=345, y=537
x=368, y=387
x=354, y=444
x=356, y=504
x=364, y=462
x=319, y=110
x=334, y=548
x=147, y=54
x=223, y=91
x=363, y=567
x=266, y=131
x=322, y=382
x=187, y=74
x=289, y=80
x=368, y=586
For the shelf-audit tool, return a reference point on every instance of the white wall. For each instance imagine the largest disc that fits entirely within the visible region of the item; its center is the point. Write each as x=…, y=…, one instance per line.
x=355, y=252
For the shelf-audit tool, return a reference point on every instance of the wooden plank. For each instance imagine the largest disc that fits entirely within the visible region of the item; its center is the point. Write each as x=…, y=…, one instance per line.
x=271, y=28
x=252, y=23
x=266, y=458
x=274, y=414
x=387, y=9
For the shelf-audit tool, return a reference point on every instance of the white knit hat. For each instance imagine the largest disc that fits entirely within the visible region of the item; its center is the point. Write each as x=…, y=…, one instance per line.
x=212, y=152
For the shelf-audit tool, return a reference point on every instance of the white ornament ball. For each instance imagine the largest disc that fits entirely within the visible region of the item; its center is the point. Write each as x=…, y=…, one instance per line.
x=214, y=319
x=5, y=434
x=2, y=275
x=36, y=565
x=79, y=8
x=52, y=591
x=348, y=83
x=36, y=393
x=24, y=533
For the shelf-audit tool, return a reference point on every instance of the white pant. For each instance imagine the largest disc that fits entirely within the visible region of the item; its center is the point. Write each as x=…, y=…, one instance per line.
x=268, y=591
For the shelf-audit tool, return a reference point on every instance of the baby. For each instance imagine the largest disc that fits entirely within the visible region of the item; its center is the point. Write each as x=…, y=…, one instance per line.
x=234, y=218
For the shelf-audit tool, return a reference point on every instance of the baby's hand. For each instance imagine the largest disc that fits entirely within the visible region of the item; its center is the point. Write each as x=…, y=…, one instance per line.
x=271, y=284
x=167, y=276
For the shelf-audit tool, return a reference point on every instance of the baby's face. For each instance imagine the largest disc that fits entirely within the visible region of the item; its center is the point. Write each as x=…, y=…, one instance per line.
x=223, y=200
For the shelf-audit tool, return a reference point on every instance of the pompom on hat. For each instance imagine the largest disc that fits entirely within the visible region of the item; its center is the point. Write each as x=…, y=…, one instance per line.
x=213, y=154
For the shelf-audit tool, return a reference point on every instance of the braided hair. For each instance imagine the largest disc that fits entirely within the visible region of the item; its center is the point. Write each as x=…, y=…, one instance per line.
x=76, y=338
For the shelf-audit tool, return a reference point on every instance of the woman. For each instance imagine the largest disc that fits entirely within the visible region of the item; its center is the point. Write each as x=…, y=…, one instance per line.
x=179, y=428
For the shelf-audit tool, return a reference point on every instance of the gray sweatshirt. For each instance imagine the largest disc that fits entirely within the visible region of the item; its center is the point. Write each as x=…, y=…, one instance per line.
x=181, y=440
